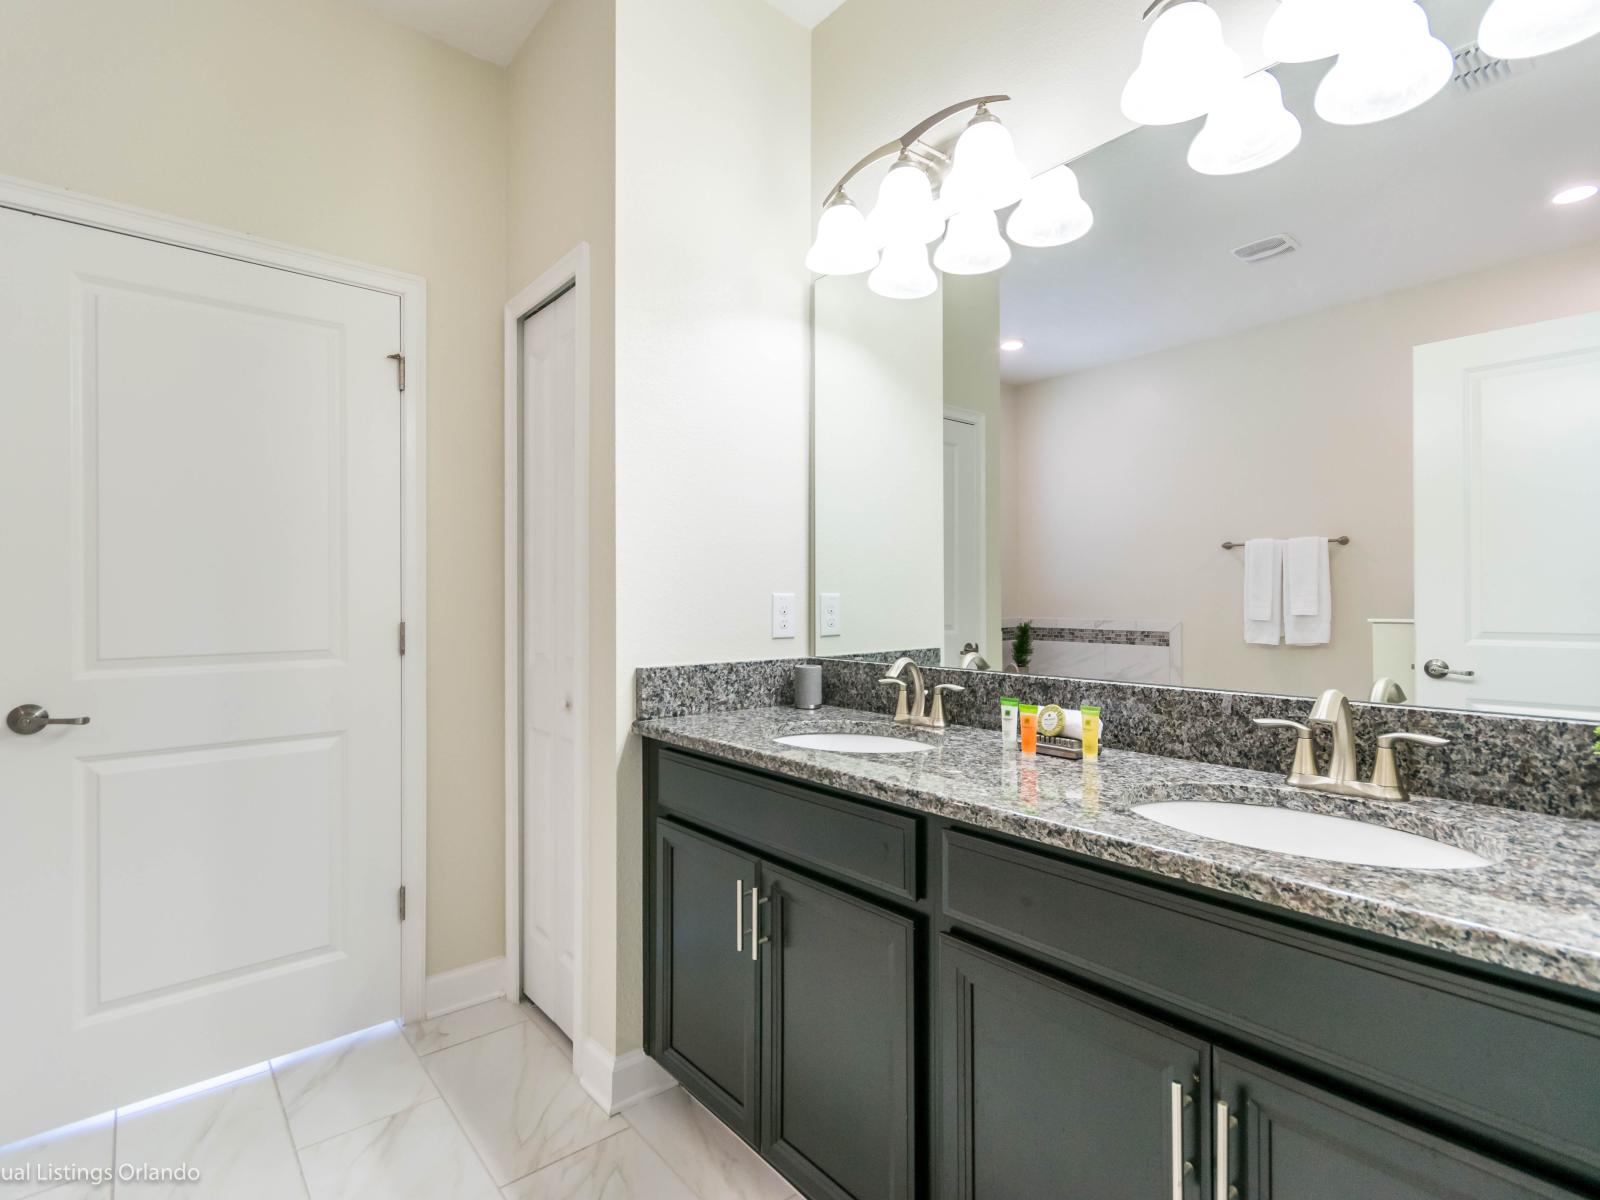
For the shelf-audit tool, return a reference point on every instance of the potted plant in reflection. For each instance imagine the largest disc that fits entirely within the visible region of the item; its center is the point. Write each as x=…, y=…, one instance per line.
x=1022, y=646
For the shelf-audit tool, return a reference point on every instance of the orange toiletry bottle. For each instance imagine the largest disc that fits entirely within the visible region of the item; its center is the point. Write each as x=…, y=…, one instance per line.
x=1030, y=728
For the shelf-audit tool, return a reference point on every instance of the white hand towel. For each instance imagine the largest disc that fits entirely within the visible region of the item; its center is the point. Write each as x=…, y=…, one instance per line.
x=1263, y=591
x=1304, y=567
x=1305, y=572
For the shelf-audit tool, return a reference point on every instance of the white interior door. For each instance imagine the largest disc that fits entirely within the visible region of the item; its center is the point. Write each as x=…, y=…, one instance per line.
x=552, y=639
x=1507, y=492
x=964, y=571
x=200, y=470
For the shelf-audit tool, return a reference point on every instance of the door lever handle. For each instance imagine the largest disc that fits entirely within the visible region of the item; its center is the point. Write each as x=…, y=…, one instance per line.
x=31, y=718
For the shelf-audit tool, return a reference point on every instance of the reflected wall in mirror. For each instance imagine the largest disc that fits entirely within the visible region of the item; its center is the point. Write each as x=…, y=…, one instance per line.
x=1410, y=357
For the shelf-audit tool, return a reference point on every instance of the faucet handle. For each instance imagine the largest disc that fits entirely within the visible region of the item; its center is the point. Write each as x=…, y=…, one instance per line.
x=1386, y=741
x=1304, y=766
x=1387, y=778
x=939, y=689
x=901, y=713
x=1280, y=723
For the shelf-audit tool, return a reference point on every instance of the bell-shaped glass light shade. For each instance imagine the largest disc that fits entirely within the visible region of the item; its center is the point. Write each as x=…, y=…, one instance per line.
x=985, y=172
x=1306, y=30
x=1391, y=64
x=1052, y=212
x=1185, y=68
x=972, y=245
x=904, y=273
x=843, y=245
x=1248, y=129
x=905, y=208
x=1525, y=28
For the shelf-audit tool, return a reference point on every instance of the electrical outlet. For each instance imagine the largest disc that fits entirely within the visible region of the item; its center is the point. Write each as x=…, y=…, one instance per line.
x=783, y=614
x=829, y=622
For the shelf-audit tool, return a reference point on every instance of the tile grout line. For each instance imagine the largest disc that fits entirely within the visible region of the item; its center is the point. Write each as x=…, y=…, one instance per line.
x=461, y=1129
x=628, y=1128
x=283, y=1111
x=425, y=1054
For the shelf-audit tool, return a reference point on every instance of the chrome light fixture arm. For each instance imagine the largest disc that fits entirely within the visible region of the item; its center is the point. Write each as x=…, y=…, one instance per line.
x=910, y=143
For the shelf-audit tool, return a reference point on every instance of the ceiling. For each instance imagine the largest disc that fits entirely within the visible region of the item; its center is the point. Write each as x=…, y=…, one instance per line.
x=1461, y=184
x=495, y=29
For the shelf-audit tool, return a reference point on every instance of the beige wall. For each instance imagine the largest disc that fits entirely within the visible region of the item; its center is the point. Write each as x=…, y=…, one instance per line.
x=712, y=393
x=317, y=124
x=563, y=192
x=1300, y=427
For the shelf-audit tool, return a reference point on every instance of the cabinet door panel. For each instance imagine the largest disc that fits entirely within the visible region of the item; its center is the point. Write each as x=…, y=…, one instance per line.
x=1048, y=1091
x=839, y=1042
x=1296, y=1142
x=707, y=987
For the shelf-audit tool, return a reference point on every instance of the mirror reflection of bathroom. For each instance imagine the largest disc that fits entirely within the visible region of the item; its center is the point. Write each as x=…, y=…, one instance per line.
x=1328, y=423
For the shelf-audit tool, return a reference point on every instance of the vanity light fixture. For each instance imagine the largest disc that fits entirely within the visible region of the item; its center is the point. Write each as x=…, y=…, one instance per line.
x=1576, y=194
x=1184, y=68
x=843, y=245
x=981, y=175
x=904, y=273
x=1525, y=28
x=905, y=208
x=972, y=245
x=985, y=168
x=1052, y=212
x=1012, y=345
x=1390, y=63
x=1247, y=130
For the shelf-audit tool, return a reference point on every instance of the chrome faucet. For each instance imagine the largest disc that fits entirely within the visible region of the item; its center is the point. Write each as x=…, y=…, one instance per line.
x=1332, y=711
x=916, y=714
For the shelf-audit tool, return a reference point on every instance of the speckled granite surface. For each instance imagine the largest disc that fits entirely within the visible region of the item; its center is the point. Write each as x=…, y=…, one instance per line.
x=705, y=687
x=1534, y=909
x=1527, y=763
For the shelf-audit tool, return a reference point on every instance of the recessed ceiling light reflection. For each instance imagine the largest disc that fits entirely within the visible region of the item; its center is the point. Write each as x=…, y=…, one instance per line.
x=1012, y=345
x=1576, y=194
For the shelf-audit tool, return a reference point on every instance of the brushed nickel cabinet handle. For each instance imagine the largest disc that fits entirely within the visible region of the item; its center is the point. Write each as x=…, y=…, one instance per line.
x=755, y=924
x=1221, y=1190
x=1177, y=1141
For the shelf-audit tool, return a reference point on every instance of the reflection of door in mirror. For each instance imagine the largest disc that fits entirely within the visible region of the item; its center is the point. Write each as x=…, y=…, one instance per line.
x=964, y=566
x=1507, y=554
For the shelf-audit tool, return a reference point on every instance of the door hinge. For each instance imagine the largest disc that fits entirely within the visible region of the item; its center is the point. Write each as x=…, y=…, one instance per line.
x=402, y=639
x=399, y=361
x=402, y=902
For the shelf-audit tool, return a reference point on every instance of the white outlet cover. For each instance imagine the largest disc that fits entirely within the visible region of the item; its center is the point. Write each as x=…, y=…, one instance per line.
x=829, y=621
x=783, y=615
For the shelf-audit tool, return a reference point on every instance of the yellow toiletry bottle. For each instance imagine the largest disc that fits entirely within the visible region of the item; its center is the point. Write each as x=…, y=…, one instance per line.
x=1091, y=732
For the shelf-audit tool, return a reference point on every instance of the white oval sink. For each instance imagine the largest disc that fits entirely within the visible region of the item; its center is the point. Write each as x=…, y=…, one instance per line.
x=1310, y=835
x=854, y=743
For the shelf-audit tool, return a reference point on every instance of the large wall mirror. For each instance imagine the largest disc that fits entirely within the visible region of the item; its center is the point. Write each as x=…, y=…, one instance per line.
x=1389, y=338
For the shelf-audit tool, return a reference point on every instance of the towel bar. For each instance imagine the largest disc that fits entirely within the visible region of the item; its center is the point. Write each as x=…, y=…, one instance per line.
x=1341, y=540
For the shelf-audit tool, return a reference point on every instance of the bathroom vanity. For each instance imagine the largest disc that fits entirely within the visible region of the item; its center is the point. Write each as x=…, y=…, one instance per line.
x=961, y=973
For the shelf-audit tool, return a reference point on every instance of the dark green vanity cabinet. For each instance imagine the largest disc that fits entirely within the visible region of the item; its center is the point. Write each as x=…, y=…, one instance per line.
x=935, y=1010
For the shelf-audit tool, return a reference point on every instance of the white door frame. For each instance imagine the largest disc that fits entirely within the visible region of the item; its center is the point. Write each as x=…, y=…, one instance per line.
x=968, y=416
x=571, y=270
x=412, y=292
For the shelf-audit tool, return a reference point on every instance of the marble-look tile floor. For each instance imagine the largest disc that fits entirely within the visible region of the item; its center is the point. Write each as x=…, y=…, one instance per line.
x=479, y=1104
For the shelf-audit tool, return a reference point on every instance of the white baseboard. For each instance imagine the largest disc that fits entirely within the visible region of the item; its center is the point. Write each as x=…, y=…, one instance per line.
x=618, y=1081
x=465, y=986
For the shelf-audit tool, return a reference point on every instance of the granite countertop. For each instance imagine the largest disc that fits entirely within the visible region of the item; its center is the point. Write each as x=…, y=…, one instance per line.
x=1534, y=909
